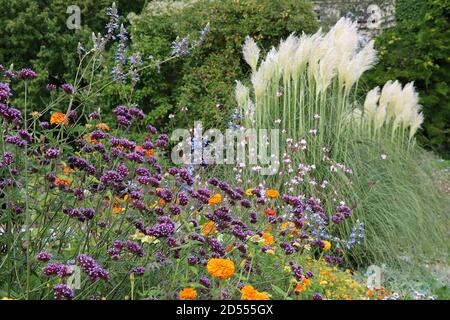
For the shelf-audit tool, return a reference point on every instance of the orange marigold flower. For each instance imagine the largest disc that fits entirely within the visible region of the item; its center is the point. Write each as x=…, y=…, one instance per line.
x=220, y=268
x=117, y=208
x=271, y=193
x=300, y=287
x=102, y=126
x=62, y=182
x=250, y=293
x=59, y=118
x=215, y=199
x=209, y=228
x=306, y=281
x=268, y=238
x=327, y=245
x=68, y=170
x=270, y=212
x=148, y=153
x=188, y=294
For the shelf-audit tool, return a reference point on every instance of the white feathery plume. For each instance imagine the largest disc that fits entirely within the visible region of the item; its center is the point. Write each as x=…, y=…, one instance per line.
x=301, y=55
x=251, y=52
x=270, y=66
x=325, y=71
x=371, y=103
x=390, y=95
x=241, y=94
x=267, y=71
x=316, y=52
x=286, y=50
x=258, y=83
x=345, y=35
x=410, y=97
x=361, y=62
x=416, y=123
x=380, y=117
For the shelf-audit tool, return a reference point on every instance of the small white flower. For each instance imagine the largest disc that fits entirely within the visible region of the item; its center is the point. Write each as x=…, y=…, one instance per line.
x=383, y=157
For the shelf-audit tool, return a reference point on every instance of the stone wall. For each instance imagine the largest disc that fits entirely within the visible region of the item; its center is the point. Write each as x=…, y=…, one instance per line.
x=373, y=16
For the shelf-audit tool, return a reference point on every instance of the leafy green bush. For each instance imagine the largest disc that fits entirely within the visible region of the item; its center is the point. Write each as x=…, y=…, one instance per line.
x=409, y=10
x=417, y=49
x=204, y=81
x=34, y=33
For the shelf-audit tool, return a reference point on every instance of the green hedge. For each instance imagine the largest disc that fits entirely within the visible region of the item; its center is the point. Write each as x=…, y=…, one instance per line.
x=411, y=10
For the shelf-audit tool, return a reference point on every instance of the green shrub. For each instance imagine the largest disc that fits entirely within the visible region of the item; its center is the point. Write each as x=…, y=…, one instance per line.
x=204, y=81
x=34, y=34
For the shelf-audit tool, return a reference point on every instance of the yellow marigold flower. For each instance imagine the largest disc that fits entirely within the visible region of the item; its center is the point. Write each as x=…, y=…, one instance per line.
x=250, y=293
x=215, y=199
x=59, y=118
x=209, y=228
x=270, y=251
x=188, y=294
x=327, y=245
x=6, y=298
x=287, y=225
x=102, y=126
x=220, y=268
x=249, y=192
x=268, y=238
x=271, y=193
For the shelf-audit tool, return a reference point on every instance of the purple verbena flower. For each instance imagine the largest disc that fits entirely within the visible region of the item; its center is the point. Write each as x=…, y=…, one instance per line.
x=43, y=256
x=26, y=73
x=91, y=268
x=62, y=291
